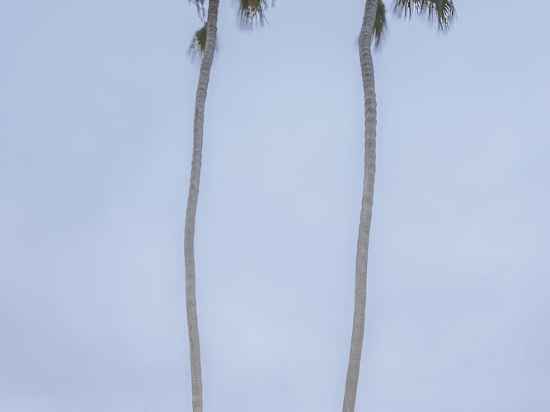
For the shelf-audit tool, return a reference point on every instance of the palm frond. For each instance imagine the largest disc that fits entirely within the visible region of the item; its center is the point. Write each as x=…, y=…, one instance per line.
x=199, y=4
x=252, y=12
x=198, y=44
x=441, y=10
x=379, y=23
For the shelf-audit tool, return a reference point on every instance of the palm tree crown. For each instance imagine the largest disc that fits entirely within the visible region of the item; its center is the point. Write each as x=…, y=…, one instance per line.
x=440, y=11
x=251, y=13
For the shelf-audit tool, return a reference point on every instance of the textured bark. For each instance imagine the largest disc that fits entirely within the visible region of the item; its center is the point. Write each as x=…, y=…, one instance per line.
x=192, y=200
x=367, y=71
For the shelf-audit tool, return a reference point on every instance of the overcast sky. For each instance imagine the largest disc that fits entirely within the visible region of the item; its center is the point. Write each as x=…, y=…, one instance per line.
x=96, y=105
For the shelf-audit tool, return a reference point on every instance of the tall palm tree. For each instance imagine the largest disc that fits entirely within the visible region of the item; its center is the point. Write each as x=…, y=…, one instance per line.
x=372, y=29
x=204, y=45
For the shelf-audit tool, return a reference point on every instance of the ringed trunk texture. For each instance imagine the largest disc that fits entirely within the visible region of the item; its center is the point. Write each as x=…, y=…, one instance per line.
x=358, y=332
x=192, y=200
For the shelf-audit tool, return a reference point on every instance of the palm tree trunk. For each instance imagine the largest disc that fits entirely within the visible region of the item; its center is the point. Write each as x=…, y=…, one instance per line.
x=367, y=70
x=192, y=200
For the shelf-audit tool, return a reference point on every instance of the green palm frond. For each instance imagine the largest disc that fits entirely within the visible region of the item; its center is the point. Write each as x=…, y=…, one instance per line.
x=441, y=10
x=379, y=23
x=198, y=45
x=252, y=12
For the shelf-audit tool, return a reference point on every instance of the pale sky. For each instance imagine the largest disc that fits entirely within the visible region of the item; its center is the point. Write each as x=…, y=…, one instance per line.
x=96, y=105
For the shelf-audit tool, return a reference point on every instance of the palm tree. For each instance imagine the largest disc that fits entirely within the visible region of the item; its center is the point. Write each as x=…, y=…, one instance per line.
x=372, y=30
x=204, y=45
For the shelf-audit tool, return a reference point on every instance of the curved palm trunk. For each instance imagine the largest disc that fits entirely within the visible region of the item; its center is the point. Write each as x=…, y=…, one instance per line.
x=367, y=70
x=192, y=200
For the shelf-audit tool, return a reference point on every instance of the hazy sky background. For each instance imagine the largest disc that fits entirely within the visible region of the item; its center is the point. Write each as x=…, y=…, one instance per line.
x=96, y=104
